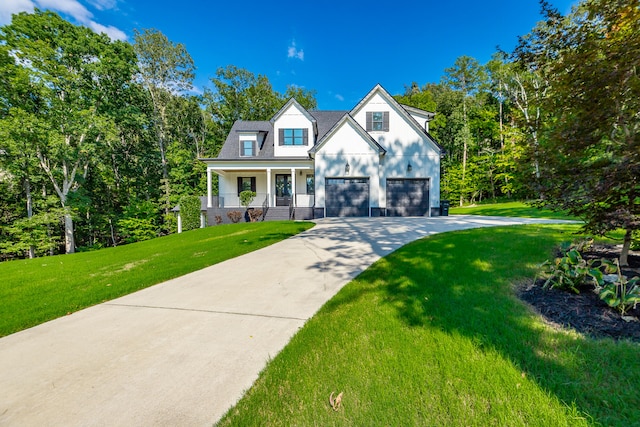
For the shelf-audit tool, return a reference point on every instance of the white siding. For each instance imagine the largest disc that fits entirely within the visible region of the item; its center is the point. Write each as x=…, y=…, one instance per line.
x=347, y=145
x=292, y=118
x=404, y=145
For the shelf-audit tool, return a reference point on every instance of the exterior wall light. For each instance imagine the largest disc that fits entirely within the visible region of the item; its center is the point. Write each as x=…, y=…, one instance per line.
x=347, y=168
x=409, y=167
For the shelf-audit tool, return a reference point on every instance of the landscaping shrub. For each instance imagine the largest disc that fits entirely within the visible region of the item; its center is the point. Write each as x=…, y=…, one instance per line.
x=190, y=212
x=234, y=216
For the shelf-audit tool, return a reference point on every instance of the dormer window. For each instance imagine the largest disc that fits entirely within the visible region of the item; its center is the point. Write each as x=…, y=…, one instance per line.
x=294, y=136
x=377, y=121
x=247, y=148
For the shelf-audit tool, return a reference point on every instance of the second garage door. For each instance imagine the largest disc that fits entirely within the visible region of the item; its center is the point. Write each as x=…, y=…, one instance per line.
x=408, y=197
x=347, y=196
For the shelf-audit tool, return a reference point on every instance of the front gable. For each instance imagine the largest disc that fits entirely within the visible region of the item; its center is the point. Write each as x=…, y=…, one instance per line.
x=391, y=125
x=347, y=137
x=294, y=130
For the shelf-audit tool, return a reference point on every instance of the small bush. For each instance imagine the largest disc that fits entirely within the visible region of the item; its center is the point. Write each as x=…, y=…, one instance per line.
x=569, y=271
x=218, y=219
x=234, y=216
x=246, y=198
x=255, y=214
x=190, y=212
x=623, y=293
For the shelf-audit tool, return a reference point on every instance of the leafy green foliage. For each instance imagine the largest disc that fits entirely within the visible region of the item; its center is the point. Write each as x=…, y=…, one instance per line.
x=247, y=197
x=591, y=165
x=622, y=293
x=37, y=232
x=568, y=272
x=139, y=222
x=190, y=212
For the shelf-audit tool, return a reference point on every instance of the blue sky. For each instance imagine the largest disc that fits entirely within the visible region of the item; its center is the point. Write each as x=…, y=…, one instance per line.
x=341, y=49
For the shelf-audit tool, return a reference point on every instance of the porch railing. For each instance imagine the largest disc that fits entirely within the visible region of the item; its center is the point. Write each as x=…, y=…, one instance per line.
x=264, y=201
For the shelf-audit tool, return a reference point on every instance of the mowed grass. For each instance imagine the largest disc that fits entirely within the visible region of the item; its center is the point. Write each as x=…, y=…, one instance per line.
x=34, y=291
x=433, y=335
x=512, y=209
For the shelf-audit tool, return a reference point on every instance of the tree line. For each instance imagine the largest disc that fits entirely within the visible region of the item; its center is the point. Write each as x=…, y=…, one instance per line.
x=100, y=138
x=556, y=121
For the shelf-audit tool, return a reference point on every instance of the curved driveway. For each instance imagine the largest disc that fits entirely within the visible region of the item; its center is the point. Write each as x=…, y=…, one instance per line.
x=182, y=352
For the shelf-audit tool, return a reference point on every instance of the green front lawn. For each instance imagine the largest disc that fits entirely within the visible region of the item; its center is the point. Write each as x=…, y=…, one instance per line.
x=512, y=209
x=432, y=335
x=37, y=290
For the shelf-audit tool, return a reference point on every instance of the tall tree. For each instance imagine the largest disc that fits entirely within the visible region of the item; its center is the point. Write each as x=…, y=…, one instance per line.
x=591, y=148
x=75, y=73
x=166, y=70
x=466, y=76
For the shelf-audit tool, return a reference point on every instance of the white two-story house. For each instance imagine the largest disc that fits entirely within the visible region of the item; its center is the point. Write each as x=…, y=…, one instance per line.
x=376, y=160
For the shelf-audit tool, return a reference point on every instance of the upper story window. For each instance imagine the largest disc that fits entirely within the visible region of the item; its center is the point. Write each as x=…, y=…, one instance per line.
x=378, y=121
x=247, y=148
x=294, y=136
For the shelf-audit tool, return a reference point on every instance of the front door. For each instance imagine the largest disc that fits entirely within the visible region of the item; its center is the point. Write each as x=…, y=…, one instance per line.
x=283, y=190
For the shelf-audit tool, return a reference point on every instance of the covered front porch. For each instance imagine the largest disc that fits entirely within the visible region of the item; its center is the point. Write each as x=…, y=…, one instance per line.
x=289, y=184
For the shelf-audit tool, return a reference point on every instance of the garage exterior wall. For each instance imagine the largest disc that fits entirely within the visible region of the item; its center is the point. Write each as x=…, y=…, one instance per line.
x=404, y=144
x=347, y=145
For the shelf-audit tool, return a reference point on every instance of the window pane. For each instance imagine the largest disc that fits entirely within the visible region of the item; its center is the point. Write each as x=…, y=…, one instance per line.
x=310, y=185
x=247, y=148
x=377, y=117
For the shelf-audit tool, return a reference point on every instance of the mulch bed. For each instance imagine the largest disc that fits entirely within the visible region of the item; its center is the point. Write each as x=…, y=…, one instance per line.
x=585, y=312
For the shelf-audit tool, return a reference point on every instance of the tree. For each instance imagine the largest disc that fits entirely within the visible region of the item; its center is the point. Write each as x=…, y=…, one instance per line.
x=466, y=76
x=74, y=75
x=166, y=69
x=241, y=95
x=591, y=148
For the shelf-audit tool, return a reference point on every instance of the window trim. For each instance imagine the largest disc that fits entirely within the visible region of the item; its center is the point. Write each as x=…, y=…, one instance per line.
x=384, y=122
x=304, y=138
x=313, y=184
x=252, y=183
x=242, y=148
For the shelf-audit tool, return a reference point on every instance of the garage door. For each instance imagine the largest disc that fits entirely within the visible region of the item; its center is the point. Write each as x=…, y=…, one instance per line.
x=407, y=197
x=347, y=196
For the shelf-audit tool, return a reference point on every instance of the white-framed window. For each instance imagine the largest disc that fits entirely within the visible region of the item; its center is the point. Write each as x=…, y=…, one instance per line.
x=311, y=186
x=247, y=148
x=294, y=136
x=378, y=121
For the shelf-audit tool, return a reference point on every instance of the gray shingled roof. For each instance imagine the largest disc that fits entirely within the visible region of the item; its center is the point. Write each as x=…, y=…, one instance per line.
x=231, y=148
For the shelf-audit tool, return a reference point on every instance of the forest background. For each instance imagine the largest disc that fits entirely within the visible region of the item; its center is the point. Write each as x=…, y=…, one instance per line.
x=99, y=139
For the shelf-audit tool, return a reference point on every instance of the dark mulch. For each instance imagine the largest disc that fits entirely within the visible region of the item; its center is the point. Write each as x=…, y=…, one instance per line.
x=585, y=312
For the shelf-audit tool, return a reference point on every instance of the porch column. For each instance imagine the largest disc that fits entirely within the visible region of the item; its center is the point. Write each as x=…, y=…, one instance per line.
x=293, y=187
x=209, y=189
x=268, y=187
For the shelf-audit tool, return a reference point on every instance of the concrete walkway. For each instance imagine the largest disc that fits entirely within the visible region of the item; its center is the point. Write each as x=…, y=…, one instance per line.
x=182, y=352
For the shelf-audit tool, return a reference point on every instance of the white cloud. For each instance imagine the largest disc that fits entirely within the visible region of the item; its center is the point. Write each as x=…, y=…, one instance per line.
x=69, y=7
x=9, y=7
x=103, y=4
x=72, y=8
x=339, y=97
x=294, y=52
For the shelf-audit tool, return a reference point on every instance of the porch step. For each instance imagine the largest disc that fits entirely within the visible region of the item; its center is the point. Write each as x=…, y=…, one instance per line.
x=277, y=213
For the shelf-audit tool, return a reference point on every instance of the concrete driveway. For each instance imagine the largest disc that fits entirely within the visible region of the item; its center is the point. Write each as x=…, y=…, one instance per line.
x=182, y=352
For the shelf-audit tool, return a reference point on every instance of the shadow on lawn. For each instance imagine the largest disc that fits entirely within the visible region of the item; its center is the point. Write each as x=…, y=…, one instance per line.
x=462, y=283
